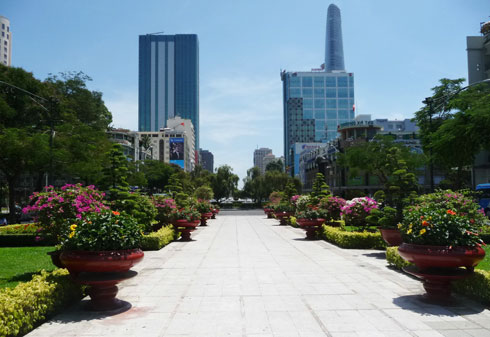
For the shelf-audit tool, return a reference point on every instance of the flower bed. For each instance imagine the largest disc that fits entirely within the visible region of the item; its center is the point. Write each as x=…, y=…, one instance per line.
x=352, y=240
x=159, y=239
x=30, y=303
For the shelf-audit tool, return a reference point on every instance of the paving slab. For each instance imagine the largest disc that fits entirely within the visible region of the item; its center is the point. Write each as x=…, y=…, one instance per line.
x=244, y=275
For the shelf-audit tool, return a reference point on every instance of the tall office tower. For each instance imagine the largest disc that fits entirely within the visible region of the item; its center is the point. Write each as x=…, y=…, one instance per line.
x=334, y=51
x=315, y=102
x=5, y=42
x=207, y=160
x=478, y=48
x=168, y=80
x=259, y=155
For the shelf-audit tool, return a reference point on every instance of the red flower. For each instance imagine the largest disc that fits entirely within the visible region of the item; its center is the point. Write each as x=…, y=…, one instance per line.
x=115, y=213
x=425, y=223
x=449, y=211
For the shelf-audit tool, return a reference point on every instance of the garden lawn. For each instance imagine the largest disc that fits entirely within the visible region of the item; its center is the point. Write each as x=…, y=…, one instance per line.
x=18, y=264
x=485, y=264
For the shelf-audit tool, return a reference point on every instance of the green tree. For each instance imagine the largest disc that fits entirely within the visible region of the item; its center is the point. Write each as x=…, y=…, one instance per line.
x=320, y=188
x=224, y=182
x=157, y=174
x=253, y=185
x=276, y=165
x=204, y=193
x=115, y=174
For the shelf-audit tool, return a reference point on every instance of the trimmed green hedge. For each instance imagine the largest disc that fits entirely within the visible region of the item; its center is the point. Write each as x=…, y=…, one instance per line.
x=30, y=303
x=157, y=240
x=19, y=229
x=23, y=240
x=476, y=286
x=352, y=240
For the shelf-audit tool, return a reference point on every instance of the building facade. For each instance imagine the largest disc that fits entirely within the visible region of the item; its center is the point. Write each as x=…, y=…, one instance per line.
x=206, y=160
x=5, y=42
x=259, y=155
x=316, y=102
x=168, y=81
x=478, y=48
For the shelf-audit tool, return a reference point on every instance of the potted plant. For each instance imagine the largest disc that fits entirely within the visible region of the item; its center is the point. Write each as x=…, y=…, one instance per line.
x=186, y=219
x=164, y=206
x=333, y=208
x=309, y=216
x=283, y=211
x=205, y=209
x=440, y=234
x=386, y=220
x=356, y=210
x=98, y=250
x=215, y=210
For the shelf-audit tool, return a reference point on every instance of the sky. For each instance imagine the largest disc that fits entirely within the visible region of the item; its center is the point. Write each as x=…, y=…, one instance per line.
x=397, y=50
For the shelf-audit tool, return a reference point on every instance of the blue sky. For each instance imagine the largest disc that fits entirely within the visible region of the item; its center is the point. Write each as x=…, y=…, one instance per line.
x=397, y=51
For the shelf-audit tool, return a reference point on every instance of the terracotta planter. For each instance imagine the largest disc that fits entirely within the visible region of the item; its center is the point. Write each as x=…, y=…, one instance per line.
x=186, y=228
x=283, y=217
x=311, y=226
x=441, y=256
x=205, y=217
x=214, y=211
x=101, y=261
x=269, y=212
x=392, y=236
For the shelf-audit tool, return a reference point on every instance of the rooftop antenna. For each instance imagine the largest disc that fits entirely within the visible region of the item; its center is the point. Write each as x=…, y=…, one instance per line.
x=155, y=33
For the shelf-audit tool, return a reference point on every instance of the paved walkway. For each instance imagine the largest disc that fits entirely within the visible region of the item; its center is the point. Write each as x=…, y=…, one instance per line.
x=246, y=276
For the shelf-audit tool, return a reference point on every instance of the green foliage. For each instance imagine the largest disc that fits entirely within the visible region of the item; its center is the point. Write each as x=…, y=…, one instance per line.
x=276, y=165
x=476, y=286
x=116, y=173
x=30, y=303
x=384, y=217
x=394, y=259
x=204, y=193
x=443, y=218
x=224, y=182
x=353, y=240
x=290, y=190
x=159, y=239
x=19, y=229
x=320, y=188
x=107, y=230
x=189, y=213
x=157, y=174
x=283, y=207
x=137, y=205
x=202, y=206
x=332, y=206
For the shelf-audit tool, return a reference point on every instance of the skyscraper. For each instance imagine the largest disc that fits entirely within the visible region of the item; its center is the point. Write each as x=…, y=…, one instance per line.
x=315, y=102
x=259, y=155
x=5, y=42
x=334, y=50
x=168, y=80
x=207, y=160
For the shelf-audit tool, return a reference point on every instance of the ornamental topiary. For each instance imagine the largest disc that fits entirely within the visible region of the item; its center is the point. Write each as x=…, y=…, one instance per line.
x=356, y=210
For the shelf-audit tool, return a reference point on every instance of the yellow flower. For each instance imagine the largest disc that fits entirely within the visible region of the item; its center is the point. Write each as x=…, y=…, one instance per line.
x=410, y=226
x=399, y=225
x=71, y=234
x=422, y=231
x=73, y=227
x=409, y=231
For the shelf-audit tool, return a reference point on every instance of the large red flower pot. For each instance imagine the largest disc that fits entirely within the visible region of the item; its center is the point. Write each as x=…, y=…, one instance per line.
x=392, y=236
x=205, y=217
x=186, y=228
x=269, y=212
x=214, y=211
x=55, y=258
x=311, y=226
x=102, y=270
x=438, y=266
x=283, y=217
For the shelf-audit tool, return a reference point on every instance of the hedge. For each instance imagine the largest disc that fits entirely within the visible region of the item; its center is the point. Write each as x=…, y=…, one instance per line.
x=30, y=303
x=476, y=286
x=157, y=240
x=23, y=240
x=352, y=240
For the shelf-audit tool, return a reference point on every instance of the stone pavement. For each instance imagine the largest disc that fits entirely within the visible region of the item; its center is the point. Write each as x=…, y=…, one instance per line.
x=246, y=276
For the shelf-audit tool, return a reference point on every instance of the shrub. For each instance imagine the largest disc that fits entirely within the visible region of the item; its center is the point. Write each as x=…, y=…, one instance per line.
x=394, y=259
x=356, y=210
x=443, y=218
x=333, y=207
x=353, y=240
x=159, y=239
x=137, y=205
x=204, y=193
x=164, y=206
x=30, y=303
x=476, y=286
x=24, y=240
x=19, y=229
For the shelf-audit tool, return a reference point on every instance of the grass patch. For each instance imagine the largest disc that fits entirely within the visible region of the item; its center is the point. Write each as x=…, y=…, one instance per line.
x=18, y=264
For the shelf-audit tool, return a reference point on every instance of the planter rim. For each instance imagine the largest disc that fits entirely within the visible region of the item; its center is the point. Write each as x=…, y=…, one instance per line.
x=102, y=252
x=436, y=247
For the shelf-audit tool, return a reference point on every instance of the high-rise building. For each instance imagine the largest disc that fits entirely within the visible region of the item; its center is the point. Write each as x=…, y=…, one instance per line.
x=168, y=80
x=478, y=48
x=5, y=42
x=259, y=155
x=315, y=102
x=207, y=160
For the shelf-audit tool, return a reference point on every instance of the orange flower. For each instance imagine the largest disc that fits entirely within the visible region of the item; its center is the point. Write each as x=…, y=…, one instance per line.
x=115, y=213
x=450, y=211
x=425, y=223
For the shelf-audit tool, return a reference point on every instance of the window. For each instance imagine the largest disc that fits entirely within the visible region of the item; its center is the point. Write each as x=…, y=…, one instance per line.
x=351, y=92
x=5, y=49
x=319, y=114
x=294, y=82
x=308, y=103
x=331, y=93
x=319, y=92
x=331, y=103
x=351, y=113
x=331, y=81
x=319, y=135
x=3, y=34
x=319, y=125
x=342, y=92
x=294, y=92
x=319, y=103
x=343, y=114
x=307, y=82
x=3, y=26
x=308, y=114
x=342, y=81
x=331, y=114
x=351, y=81
x=332, y=125
x=5, y=42
x=319, y=82
x=307, y=93
x=343, y=104
x=8, y=28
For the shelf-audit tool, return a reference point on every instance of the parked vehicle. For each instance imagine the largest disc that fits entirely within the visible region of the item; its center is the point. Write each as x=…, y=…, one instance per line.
x=484, y=197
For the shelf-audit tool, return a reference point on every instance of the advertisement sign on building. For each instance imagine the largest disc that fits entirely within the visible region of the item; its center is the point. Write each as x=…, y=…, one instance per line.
x=177, y=151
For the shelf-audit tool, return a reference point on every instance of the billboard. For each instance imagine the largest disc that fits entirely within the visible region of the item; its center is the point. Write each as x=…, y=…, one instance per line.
x=177, y=151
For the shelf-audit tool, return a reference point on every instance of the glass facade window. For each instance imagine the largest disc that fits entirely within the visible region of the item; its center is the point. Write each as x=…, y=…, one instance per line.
x=342, y=92
x=319, y=125
x=331, y=114
x=331, y=103
x=342, y=81
x=294, y=82
x=351, y=113
x=319, y=135
x=331, y=135
x=319, y=82
x=351, y=92
x=331, y=93
x=319, y=103
x=308, y=103
x=332, y=125
x=331, y=81
x=307, y=82
x=343, y=114
x=294, y=92
x=307, y=93
x=343, y=104
x=351, y=81
x=319, y=114
x=319, y=92
x=308, y=114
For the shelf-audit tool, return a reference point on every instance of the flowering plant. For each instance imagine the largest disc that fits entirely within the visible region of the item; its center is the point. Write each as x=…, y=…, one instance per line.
x=188, y=213
x=103, y=231
x=55, y=209
x=443, y=218
x=283, y=207
x=311, y=212
x=203, y=206
x=356, y=210
x=164, y=206
x=332, y=206
x=302, y=202
x=295, y=198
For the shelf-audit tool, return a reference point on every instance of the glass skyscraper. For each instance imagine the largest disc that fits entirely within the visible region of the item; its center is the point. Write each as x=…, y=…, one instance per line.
x=316, y=102
x=168, y=80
